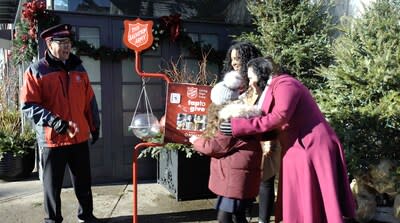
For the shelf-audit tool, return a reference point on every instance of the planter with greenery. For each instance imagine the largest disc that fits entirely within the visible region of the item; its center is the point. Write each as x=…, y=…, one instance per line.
x=17, y=149
x=17, y=154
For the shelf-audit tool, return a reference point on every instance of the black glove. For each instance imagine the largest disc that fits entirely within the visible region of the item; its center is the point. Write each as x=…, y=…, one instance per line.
x=95, y=136
x=226, y=128
x=59, y=125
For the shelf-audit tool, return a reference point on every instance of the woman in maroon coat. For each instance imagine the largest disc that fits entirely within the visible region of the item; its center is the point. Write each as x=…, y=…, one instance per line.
x=235, y=164
x=314, y=184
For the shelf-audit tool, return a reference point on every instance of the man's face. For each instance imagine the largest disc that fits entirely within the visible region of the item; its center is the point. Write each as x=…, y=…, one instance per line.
x=60, y=48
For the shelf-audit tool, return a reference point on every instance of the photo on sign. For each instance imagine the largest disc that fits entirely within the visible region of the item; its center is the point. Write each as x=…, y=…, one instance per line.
x=191, y=122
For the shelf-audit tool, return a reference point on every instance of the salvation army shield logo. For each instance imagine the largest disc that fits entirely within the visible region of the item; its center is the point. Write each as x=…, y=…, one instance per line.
x=138, y=34
x=192, y=92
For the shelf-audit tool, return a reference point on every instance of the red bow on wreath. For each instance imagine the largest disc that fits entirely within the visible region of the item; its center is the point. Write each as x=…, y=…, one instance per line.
x=172, y=24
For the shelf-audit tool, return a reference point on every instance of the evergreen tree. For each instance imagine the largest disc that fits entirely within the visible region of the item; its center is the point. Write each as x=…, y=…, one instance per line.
x=297, y=34
x=362, y=99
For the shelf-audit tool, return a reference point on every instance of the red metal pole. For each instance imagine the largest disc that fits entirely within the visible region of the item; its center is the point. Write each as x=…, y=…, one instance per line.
x=134, y=175
x=142, y=144
x=143, y=74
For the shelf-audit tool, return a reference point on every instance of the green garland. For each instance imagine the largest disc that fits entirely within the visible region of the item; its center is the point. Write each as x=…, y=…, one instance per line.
x=35, y=17
x=84, y=48
x=24, y=48
x=156, y=150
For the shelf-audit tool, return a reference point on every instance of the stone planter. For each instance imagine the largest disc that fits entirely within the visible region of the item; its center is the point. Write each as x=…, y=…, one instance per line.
x=185, y=178
x=16, y=168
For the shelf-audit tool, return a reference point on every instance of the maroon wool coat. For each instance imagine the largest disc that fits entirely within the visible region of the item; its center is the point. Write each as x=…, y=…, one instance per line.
x=235, y=165
x=314, y=187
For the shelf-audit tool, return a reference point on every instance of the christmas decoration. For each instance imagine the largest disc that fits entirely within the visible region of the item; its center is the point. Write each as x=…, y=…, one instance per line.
x=35, y=18
x=25, y=42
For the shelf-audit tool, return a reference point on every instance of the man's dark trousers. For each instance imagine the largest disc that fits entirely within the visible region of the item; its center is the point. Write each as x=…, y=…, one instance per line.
x=53, y=162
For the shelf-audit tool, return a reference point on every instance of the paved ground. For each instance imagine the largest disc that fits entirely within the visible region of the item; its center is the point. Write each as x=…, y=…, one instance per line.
x=22, y=202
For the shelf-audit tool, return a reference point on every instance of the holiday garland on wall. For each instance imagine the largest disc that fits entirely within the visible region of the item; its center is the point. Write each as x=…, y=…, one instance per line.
x=25, y=41
x=36, y=18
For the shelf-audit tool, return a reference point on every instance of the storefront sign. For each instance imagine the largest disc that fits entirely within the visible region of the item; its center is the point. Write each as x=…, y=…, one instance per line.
x=186, y=111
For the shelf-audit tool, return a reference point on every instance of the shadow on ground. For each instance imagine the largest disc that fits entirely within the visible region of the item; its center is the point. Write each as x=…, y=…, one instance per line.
x=205, y=215
x=186, y=216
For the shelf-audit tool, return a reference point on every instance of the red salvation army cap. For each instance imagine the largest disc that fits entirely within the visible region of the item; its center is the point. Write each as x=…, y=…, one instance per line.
x=60, y=31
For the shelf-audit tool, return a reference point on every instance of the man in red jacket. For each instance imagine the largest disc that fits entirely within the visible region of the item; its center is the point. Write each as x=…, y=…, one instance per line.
x=57, y=96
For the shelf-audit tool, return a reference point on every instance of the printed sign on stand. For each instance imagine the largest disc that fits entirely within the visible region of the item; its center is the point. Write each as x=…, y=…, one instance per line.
x=186, y=111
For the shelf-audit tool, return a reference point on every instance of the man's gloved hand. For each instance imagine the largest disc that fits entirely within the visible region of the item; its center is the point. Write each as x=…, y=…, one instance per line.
x=59, y=125
x=226, y=128
x=95, y=136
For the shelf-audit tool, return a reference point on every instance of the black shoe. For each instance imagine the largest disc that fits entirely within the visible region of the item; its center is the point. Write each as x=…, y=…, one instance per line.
x=91, y=219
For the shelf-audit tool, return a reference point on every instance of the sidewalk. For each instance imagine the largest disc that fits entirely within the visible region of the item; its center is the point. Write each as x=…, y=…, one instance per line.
x=22, y=202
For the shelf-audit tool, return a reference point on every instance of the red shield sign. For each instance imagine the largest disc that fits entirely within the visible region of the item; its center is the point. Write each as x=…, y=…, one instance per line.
x=138, y=34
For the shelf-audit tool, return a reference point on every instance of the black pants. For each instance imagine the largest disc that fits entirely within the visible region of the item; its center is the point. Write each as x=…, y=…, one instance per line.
x=226, y=217
x=53, y=162
x=266, y=198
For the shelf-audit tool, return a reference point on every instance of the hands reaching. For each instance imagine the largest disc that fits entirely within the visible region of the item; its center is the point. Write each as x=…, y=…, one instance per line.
x=61, y=127
x=193, y=138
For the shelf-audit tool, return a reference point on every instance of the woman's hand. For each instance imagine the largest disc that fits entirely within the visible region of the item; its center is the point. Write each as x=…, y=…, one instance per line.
x=193, y=138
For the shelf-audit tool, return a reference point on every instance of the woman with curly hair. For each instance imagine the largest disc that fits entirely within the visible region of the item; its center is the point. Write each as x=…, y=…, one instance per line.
x=237, y=57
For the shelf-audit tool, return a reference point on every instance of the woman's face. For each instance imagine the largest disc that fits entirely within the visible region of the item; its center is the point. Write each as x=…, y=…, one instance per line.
x=235, y=60
x=253, y=78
